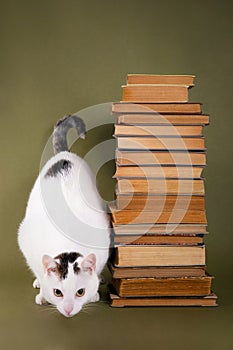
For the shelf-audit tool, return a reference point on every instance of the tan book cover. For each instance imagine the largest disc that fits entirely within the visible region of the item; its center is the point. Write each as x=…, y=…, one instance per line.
x=161, y=186
x=140, y=229
x=159, y=256
x=170, y=286
x=122, y=217
x=158, y=272
x=174, y=172
x=187, y=80
x=153, y=202
x=163, y=119
x=161, y=158
x=158, y=130
x=157, y=240
x=161, y=143
x=116, y=301
x=171, y=108
x=155, y=93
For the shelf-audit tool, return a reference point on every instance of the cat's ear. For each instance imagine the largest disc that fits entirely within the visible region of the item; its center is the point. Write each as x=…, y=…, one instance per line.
x=89, y=263
x=49, y=264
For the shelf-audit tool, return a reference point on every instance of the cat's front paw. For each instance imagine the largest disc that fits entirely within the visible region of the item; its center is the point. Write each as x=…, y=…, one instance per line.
x=95, y=298
x=40, y=300
x=36, y=284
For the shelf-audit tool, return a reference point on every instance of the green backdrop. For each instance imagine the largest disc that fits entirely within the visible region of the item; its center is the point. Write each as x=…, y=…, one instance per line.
x=59, y=57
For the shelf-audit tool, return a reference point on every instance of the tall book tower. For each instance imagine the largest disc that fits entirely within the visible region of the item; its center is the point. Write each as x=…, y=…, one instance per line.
x=158, y=218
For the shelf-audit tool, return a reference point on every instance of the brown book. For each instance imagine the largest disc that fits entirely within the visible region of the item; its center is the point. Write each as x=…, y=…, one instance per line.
x=152, y=255
x=161, y=143
x=158, y=272
x=116, y=301
x=161, y=186
x=161, y=158
x=172, y=172
x=171, y=108
x=157, y=240
x=155, y=93
x=160, y=79
x=165, y=203
x=156, y=118
x=158, y=130
x=121, y=217
x=160, y=229
x=171, y=286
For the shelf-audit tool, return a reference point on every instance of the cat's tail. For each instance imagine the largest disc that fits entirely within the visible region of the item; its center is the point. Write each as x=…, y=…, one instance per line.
x=61, y=129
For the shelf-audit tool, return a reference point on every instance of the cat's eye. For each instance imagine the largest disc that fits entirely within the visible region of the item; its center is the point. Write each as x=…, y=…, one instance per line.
x=80, y=292
x=57, y=293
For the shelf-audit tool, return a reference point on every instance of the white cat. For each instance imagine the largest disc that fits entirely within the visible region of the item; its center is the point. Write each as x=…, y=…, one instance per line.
x=65, y=235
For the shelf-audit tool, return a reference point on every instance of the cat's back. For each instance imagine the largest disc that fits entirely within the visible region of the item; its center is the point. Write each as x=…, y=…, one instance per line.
x=64, y=211
x=65, y=178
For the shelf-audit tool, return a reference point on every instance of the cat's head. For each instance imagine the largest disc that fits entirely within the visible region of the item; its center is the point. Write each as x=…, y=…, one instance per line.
x=69, y=281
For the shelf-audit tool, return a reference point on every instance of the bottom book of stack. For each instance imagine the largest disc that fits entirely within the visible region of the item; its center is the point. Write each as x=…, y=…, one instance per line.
x=118, y=301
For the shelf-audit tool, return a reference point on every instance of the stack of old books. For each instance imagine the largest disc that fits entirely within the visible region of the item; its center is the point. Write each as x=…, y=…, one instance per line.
x=158, y=218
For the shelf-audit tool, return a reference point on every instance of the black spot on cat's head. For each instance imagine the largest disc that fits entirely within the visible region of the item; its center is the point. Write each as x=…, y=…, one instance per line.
x=76, y=268
x=63, y=264
x=60, y=167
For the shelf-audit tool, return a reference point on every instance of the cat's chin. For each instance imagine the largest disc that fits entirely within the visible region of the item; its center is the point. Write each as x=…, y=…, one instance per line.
x=68, y=315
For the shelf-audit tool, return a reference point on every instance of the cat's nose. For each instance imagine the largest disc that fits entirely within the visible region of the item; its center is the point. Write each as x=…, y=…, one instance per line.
x=68, y=309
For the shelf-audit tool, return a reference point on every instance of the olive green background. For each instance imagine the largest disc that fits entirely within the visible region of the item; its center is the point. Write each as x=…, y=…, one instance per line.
x=59, y=57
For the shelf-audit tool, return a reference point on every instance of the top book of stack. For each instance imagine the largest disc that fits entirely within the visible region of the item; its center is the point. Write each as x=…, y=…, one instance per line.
x=142, y=88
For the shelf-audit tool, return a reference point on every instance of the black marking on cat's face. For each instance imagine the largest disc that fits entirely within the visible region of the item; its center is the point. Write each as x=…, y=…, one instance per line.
x=64, y=260
x=60, y=167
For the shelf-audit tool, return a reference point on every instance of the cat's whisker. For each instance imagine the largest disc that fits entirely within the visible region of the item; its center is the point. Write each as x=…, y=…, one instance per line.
x=47, y=309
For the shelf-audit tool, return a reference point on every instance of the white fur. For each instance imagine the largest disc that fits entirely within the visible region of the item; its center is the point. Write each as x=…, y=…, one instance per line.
x=47, y=229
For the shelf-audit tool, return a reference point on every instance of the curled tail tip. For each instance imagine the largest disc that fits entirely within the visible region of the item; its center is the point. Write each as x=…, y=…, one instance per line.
x=72, y=121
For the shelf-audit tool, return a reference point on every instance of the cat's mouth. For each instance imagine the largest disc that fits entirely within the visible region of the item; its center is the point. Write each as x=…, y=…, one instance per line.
x=69, y=314
x=66, y=314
